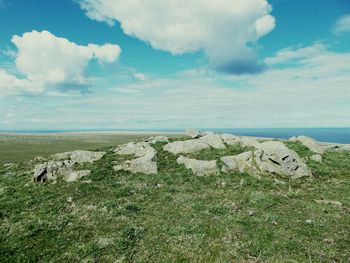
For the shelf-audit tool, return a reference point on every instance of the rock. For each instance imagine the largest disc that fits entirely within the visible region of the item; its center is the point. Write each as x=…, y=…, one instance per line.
x=189, y=146
x=39, y=172
x=199, y=167
x=145, y=164
x=243, y=163
x=146, y=161
x=156, y=139
x=293, y=139
x=316, y=158
x=312, y=144
x=76, y=175
x=230, y=139
x=80, y=156
x=214, y=140
x=248, y=142
x=193, y=133
x=138, y=149
x=271, y=157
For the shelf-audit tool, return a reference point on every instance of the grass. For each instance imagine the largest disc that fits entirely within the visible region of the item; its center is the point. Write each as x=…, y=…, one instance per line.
x=177, y=217
x=24, y=147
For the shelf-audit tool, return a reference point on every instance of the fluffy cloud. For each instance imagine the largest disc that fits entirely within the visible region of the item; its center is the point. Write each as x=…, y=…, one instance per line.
x=225, y=30
x=44, y=59
x=342, y=25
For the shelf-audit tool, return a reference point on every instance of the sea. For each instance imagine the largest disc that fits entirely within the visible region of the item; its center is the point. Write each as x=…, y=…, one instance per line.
x=333, y=135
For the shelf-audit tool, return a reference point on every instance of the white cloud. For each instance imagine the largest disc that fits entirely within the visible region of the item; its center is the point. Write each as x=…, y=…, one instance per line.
x=224, y=29
x=44, y=59
x=342, y=25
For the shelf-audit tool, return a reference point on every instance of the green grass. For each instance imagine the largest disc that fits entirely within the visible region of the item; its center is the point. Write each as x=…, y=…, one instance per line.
x=20, y=148
x=177, y=217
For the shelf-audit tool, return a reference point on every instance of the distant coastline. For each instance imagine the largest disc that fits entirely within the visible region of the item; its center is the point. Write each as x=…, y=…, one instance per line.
x=333, y=135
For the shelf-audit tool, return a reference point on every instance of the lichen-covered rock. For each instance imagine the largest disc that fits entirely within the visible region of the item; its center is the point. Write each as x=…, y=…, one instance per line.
x=52, y=170
x=312, y=144
x=213, y=140
x=230, y=139
x=156, y=139
x=189, y=146
x=193, y=133
x=248, y=142
x=145, y=161
x=80, y=156
x=270, y=157
x=199, y=167
x=74, y=176
x=316, y=158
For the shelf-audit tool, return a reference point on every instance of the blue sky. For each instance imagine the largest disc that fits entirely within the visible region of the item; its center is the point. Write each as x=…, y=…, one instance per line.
x=88, y=64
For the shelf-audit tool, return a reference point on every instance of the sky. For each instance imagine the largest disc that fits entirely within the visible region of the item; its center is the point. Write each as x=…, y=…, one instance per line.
x=175, y=64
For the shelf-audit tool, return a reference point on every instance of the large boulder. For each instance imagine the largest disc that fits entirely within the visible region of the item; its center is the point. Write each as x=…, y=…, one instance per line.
x=199, y=167
x=145, y=161
x=52, y=170
x=193, y=133
x=230, y=140
x=312, y=144
x=189, y=146
x=156, y=139
x=80, y=156
x=213, y=140
x=270, y=157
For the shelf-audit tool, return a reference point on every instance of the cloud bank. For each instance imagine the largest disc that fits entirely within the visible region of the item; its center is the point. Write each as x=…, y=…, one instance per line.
x=342, y=25
x=44, y=59
x=226, y=30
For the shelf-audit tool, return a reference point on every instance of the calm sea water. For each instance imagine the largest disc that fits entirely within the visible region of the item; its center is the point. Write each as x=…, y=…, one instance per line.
x=335, y=135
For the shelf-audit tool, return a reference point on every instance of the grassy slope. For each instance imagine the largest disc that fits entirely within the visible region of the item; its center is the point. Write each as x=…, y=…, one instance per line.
x=177, y=217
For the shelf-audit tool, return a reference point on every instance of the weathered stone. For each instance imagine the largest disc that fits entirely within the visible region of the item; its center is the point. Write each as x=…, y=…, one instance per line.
x=316, y=158
x=189, y=146
x=199, y=167
x=80, y=156
x=39, y=172
x=193, y=133
x=312, y=144
x=145, y=164
x=146, y=161
x=138, y=149
x=270, y=157
x=230, y=139
x=248, y=142
x=76, y=175
x=156, y=139
x=213, y=140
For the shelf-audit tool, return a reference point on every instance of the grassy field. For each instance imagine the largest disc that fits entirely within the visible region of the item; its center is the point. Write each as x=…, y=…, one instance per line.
x=177, y=217
x=24, y=147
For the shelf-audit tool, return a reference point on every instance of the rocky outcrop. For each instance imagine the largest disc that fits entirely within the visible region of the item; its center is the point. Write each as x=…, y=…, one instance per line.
x=80, y=156
x=145, y=161
x=193, y=133
x=189, y=146
x=51, y=171
x=312, y=144
x=156, y=139
x=213, y=140
x=63, y=166
x=270, y=157
x=199, y=167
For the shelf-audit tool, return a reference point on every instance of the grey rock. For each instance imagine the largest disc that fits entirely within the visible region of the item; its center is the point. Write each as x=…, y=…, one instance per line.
x=145, y=161
x=76, y=175
x=156, y=139
x=39, y=172
x=199, y=167
x=270, y=157
x=230, y=139
x=189, y=146
x=316, y=158
x=248, y=142
x=193, y=133
x=80, y=156
x=213, y=140
x=312, y=144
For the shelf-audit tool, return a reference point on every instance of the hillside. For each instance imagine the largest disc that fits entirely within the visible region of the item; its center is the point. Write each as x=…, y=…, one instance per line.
x=199, y=198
